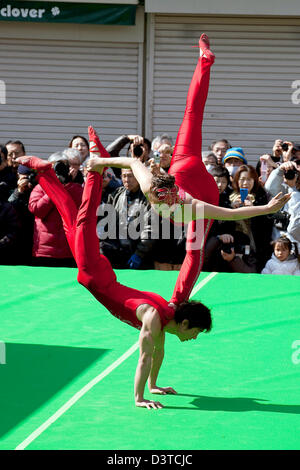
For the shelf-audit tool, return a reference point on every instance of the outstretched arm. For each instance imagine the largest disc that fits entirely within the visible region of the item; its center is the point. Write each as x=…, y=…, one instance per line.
x=222, y=213
x=140, y=171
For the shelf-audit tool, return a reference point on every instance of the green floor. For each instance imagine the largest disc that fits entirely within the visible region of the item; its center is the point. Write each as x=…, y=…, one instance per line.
x=238, y=387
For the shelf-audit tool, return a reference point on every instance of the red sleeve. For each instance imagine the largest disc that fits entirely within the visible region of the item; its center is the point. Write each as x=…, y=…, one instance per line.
x=39, y=203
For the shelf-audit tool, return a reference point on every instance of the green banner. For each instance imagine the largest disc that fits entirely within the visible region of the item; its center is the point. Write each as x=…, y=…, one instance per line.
x=52, y=12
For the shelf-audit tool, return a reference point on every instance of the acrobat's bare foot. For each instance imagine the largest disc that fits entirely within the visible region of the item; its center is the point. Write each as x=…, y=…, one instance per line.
x=95, y=164
x=35, y=163
x=204, y=47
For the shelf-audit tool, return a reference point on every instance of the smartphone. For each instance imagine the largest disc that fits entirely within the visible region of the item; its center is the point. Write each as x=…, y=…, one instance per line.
x=243, y=193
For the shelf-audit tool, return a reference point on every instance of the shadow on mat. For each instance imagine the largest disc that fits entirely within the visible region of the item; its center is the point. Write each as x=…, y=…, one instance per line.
x=235, y=405
x=33, y=374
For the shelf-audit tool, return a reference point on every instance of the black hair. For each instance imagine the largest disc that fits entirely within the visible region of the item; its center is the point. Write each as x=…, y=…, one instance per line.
x=16, y=142
x=79, y=137
x=4, y=192
x=220, y=171
x=163, y=181
x=284, y=240
x=3, y=150
x=225, y=141
x=148, y=143
x=197, y=314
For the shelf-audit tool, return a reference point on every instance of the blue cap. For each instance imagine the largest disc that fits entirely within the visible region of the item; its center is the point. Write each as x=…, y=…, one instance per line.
x=235, y=152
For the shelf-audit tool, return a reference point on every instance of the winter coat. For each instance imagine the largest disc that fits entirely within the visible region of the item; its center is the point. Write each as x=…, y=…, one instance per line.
x=8, y=176
x=49, y=239
x=290, y=266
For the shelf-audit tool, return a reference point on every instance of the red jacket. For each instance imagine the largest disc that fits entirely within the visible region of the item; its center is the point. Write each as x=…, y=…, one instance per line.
x=49, y=239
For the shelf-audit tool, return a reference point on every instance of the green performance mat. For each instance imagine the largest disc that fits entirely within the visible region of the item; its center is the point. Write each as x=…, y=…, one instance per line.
x=67, y=366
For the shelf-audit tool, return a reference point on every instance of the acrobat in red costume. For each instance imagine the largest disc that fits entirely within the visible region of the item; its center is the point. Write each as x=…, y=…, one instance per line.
x=94, y=270
x=191, y=175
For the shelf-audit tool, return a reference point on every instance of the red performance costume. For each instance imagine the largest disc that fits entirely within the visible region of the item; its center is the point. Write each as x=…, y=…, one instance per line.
x=191, y=176
x=94, y=270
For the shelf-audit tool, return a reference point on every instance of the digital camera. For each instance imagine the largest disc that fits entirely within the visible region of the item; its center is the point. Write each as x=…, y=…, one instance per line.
x=284, y=146
x=156, y=155
x=290, y=174
x=238, y=248
x=138, y=150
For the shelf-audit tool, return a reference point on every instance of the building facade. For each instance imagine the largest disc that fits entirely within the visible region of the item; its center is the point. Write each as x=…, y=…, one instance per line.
x=127, y=68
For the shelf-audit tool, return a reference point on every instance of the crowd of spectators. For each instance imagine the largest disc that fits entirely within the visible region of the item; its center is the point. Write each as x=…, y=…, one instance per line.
x=32, y=231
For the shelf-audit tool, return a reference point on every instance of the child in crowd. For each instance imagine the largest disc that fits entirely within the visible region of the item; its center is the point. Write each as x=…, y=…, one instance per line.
x=283, y=260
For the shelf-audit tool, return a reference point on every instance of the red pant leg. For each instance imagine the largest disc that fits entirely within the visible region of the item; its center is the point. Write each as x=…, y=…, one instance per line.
x=94, y=270
x=192, y=176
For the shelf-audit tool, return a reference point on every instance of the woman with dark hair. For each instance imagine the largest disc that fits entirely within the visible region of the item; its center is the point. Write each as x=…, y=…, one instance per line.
x=257, y=229
x=81, y=144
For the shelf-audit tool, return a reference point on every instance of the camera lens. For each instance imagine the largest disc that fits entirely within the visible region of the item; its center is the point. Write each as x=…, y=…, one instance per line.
x=290, y=174
x=138, y=150
x=284, y=146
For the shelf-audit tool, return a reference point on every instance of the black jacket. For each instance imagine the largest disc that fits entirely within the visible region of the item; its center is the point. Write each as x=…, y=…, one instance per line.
x=132, y=215
x=9, y=225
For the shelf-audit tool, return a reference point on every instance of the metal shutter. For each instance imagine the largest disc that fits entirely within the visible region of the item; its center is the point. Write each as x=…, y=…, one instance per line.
x=55, y=89
x=250, y=98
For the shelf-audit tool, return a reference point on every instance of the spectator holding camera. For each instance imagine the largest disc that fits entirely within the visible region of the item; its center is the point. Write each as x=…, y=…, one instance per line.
x=15, y=149
x=20, y=200
x=287, y=151
x=247, y=191
x=287, y=221
x=264, y=167
x=220, y=232
x=74, y=159
x=139, y=147
x=50, y=246
x=277, y=180
x=282, y=151
x=163, y=156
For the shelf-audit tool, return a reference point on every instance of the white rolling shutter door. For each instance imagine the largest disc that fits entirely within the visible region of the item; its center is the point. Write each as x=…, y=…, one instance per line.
x=55, y=89
x=250, y=97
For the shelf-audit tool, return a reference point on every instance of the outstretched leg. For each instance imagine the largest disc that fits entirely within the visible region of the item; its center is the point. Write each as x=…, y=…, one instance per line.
x=189, y=137
x=186, y=165
x=190, y=172
x=94, y=270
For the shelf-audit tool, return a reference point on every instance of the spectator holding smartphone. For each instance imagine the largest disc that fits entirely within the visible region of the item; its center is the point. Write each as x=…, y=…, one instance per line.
x=258, y=229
